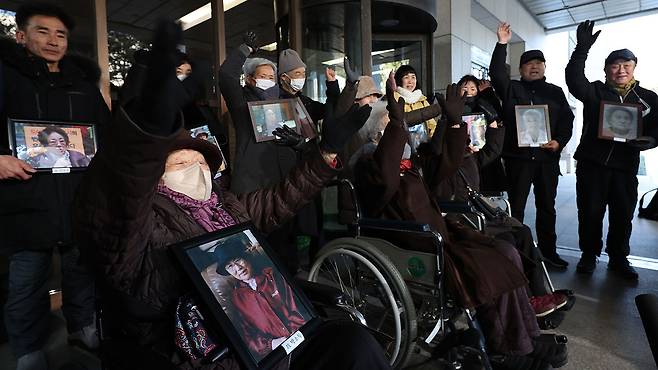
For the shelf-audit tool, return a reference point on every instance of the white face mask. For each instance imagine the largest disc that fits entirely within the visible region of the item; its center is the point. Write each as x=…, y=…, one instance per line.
x=193, y=181
x=182, y=77
x=264, y=84
x=297, y=83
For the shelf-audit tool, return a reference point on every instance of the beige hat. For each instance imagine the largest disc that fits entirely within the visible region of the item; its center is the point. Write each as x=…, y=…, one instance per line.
x=367, y=87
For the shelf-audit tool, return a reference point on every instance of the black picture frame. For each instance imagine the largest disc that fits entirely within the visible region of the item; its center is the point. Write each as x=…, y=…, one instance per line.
x=280, y=111
x=536, y=116
x=308, y=128
x=477, y=127
x=224, y=300
x=73, y=145
x=632, y=126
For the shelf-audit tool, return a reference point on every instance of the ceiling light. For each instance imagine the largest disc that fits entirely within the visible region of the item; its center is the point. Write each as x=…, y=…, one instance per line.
x=337, y=61
x=269, y=47
x=204, y=13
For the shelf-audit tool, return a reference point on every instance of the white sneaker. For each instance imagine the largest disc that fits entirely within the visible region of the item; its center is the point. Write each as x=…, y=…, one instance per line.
x=32, y=361
x=87, y=337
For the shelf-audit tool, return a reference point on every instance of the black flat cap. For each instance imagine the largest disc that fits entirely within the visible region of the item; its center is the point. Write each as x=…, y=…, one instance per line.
x=531, y=55
x=624, y=54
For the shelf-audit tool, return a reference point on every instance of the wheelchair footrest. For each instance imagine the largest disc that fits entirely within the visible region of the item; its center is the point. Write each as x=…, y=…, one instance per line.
x=550, y=321
x=571, y=299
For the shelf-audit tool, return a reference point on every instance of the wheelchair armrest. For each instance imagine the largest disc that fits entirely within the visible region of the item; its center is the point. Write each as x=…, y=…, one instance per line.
x=492, y=193
x=407, y=226
x=455, y=206
x=320, y=293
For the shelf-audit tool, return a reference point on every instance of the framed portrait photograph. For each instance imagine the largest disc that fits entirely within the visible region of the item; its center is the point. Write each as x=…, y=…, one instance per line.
x=308, y=128
x=268, y=115
x=620, y=122
x=253, y=299
x=418, y=134
x=477, y=127
x=56, y=147
x=533, y=127
x=203, y=132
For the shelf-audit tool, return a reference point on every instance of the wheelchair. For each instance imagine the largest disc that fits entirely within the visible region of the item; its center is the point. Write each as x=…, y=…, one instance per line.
x=392, y=273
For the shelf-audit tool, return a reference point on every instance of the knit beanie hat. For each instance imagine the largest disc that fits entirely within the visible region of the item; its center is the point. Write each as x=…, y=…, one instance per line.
x=251, y=64
x=289, y=60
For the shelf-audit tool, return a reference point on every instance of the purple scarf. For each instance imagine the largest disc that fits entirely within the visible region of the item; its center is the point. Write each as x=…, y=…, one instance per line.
x=207, y=213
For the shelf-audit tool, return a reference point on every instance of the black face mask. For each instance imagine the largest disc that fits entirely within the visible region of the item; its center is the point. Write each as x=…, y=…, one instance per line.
x=470, y=99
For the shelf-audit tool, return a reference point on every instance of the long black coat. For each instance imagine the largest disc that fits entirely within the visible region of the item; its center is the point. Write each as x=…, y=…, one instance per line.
x=256, y=165
x=617, y=155
x=35, y=214
x=522, y=92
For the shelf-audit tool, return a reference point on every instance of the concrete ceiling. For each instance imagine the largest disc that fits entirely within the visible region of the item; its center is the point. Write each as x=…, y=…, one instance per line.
x=561, y=14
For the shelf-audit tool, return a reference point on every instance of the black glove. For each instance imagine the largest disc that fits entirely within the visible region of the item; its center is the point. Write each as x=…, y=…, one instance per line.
x=453, y=104
x=490, y=113
x=584, y=34
x=395, y=108
x=642, y=142
x=251, y=39
x=352, y=74
x=336, y=131
x=162, y=95
x=288, y=137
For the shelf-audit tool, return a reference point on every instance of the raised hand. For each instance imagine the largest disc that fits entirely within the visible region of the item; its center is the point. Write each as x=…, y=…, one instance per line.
x=352, y=74
x=395, y=108
x=584, y=34
x=288, y=137
x=483, y=85
x=453, y=105
x=251, y=39
x=336, y=131
x=330, y=74
x=504, y=33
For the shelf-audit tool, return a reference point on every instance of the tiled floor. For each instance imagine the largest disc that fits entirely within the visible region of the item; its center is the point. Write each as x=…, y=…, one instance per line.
x=604, y=328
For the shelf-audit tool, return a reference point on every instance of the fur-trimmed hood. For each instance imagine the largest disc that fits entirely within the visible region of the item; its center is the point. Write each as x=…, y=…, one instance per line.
x=75, y=66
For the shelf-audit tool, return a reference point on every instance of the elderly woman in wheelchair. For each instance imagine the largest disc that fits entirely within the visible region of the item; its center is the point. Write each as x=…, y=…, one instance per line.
x=480, y=272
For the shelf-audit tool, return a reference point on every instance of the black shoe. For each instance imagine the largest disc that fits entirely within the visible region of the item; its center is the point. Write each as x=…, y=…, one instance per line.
x=623, y=268
x=510, y=362
x=587, y=264
x=554, y=260
x=551, y=348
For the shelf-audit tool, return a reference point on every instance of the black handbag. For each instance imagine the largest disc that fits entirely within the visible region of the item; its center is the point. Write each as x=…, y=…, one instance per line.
x=490, y=211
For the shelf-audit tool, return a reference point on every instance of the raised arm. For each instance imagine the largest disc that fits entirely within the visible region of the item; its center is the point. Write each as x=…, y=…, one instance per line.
x=495, y=136
x=500, y=78
x=579, y=85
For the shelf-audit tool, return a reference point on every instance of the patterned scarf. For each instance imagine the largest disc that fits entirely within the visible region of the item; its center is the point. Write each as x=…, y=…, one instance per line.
x=207, y=213
x=405, y=165
x=622, y=90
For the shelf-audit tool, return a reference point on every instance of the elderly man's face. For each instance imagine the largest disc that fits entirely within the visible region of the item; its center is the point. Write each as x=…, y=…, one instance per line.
x=181, y=159
x=297, y=73
x=620, y=121
x=55, y=140
x=45, y=37
x=533, y=70
x=620, y=71
x=262, y=72
x=240, y=269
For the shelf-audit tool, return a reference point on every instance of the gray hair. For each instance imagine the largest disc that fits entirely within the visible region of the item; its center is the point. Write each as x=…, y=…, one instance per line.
x=251, y=64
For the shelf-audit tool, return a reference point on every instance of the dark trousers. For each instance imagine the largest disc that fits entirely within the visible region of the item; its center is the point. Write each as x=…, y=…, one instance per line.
x=27, y=312
x=598, y=186
x=543, y=176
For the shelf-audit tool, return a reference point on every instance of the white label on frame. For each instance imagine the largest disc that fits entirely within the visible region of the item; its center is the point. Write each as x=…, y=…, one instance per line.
x=291, y=343
x=61, y=170
x=534, y=145
x=619, y=139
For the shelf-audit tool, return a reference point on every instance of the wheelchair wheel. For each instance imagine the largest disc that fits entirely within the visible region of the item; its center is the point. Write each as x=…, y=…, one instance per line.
x=374, y=287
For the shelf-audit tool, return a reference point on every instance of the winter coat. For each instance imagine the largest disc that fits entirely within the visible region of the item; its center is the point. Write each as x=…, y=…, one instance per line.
x=430, y=123
x=454, y=187
x=612, y=154
x=523, y=92
x=35, y=214
x=256, y=165
x=476, y=272
x=127, y=228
